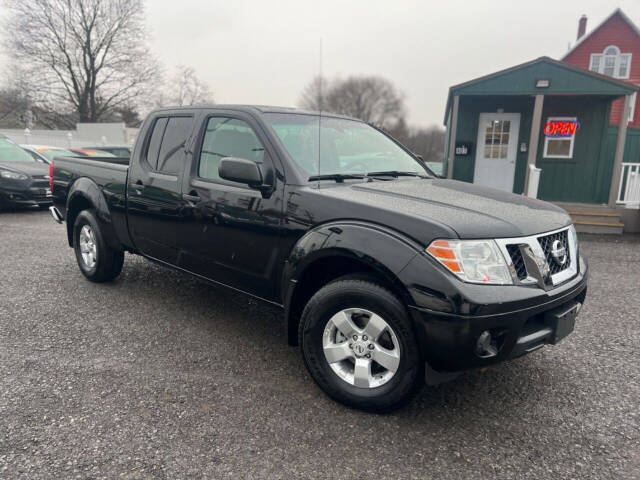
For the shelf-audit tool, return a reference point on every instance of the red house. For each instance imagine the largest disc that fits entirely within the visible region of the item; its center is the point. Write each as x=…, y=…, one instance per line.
x=612, y=49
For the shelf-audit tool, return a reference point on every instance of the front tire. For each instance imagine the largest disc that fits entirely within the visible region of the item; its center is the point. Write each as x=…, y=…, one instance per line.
x=97, y=260
x=358, y=345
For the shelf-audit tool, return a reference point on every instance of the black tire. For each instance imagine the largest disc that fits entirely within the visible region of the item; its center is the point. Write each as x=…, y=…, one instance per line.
x=108, y=263
x=361, y=293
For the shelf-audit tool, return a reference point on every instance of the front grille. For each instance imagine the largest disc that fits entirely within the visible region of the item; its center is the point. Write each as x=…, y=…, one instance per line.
x=547, y=242
x=518, y=262
x=40, y=183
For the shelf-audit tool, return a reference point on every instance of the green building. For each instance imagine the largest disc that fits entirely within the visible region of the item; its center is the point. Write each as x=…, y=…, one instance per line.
x=545, y=123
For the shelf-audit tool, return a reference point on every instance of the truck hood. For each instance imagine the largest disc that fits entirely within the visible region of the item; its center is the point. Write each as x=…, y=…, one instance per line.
x=30, y=168
x=471, y=211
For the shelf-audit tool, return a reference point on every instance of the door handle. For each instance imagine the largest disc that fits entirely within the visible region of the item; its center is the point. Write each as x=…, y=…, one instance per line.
x=138, y=187
x=191, y=198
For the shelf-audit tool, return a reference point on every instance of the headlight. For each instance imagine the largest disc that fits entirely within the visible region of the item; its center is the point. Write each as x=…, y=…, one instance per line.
x=13, y=175
x=474, y=261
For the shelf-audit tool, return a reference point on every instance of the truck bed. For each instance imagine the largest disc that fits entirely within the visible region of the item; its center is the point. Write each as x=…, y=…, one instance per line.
x=103, y=178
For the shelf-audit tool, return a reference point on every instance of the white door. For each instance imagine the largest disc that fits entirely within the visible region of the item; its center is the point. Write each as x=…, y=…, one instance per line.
x=497, y=150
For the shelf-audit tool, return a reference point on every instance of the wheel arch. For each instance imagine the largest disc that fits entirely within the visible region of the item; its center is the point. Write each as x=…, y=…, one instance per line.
x=336, y=250
x=85, y=194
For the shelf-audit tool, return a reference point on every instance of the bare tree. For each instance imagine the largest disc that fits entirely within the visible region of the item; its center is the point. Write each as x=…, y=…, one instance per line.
x=426, y=142
x=185, y=89
x=312, y=95
x=90, y=56
x=372, y=99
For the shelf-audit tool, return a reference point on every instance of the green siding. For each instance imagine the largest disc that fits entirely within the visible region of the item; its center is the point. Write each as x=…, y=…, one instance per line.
x=469, y=112
x=586, y=177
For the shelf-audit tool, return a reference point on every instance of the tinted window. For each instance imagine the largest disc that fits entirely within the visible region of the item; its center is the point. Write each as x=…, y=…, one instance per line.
x=227, y=137
x=154, y=143
x=172, y=147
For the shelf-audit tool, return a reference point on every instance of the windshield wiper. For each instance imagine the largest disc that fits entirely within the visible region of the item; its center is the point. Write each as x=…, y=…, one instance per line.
x=395, y=173
x=338, y=177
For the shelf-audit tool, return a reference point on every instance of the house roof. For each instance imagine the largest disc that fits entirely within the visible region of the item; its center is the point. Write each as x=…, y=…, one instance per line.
x=564, y=79
x=617, y=11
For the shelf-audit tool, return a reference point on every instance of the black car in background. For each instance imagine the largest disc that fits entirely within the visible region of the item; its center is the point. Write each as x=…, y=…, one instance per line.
x=23, y=180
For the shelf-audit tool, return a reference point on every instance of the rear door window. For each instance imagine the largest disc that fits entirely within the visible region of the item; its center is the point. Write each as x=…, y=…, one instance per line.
x=171, y=155
x=154, y=142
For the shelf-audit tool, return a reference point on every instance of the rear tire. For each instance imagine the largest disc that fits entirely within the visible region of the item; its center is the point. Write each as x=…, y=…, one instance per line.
x=97, y=260
x=358, y=380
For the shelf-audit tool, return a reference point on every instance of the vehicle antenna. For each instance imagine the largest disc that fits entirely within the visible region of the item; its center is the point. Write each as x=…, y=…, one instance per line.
x=320, y=99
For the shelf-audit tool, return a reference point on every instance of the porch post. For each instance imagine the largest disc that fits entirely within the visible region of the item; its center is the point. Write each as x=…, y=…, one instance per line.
x=452, y=136
x=534, y=137
x=617, y=160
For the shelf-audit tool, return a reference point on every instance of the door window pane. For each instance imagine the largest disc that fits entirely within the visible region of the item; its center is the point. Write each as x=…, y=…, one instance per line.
x=497, y=139
x=227, y=137
x=154, y=142
x=172, y=149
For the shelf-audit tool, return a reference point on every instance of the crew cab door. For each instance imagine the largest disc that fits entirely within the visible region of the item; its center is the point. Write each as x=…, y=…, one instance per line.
x=155, y=205
x=232, y=234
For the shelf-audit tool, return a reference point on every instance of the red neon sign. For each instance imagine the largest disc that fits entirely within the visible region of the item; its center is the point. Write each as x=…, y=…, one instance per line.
x=561, y=129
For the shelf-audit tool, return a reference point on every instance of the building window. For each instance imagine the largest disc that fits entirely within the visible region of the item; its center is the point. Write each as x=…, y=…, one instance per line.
x=559, y=146
x=611, y=62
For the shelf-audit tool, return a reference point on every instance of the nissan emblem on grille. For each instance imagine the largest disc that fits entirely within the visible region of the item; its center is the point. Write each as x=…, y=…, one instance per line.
x=559, y=252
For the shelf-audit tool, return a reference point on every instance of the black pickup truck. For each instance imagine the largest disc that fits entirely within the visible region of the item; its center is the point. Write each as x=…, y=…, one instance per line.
x=387, y=275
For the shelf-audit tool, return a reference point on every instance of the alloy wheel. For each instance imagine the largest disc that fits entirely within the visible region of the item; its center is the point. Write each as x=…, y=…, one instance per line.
x=88, y=247
x=361, y=348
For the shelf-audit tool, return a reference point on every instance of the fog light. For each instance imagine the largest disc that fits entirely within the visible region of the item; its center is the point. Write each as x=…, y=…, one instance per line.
x=486, y=346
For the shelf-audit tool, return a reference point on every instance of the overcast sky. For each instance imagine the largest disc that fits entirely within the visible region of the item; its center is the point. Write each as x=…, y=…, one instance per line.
x=266, y=51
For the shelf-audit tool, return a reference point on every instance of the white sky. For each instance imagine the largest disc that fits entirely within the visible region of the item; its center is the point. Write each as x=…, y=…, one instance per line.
x=266, y=51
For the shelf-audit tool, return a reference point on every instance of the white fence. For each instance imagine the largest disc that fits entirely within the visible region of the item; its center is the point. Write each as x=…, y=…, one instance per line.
x=85, y=135
x=629, y=191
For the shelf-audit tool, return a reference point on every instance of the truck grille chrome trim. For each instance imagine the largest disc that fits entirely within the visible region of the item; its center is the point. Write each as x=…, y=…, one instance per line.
x=547, y=259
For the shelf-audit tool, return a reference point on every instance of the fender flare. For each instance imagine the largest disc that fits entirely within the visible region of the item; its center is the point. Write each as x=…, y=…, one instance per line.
x=381, y=249
x=88, y=190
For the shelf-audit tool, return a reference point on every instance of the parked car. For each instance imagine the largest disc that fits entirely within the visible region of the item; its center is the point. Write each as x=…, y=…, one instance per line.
x=23, y=180
x=91, y=152
x=121, y=152
x=387, y=276
x=46, y=154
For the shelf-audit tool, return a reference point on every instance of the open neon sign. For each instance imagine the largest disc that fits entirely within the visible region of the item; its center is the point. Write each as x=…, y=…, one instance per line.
x=561, y=129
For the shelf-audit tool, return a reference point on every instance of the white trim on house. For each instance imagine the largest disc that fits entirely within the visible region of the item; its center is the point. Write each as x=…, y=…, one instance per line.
x=587, y=35
x=598, y=62
x=572, y=138
x=632, y=108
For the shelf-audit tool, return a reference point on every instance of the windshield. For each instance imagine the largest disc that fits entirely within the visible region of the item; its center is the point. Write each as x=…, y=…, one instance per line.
x=345, y=146
x=50, y=153
x=10, y=152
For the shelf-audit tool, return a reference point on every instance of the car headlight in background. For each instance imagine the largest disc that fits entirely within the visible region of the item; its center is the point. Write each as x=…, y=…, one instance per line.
x=13, y=175
x=474, y=261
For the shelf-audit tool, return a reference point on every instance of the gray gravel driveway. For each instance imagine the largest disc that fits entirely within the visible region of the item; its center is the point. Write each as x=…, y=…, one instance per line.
x=161, y=376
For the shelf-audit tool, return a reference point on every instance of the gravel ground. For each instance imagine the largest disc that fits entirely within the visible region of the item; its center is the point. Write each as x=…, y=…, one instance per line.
x=160, y=376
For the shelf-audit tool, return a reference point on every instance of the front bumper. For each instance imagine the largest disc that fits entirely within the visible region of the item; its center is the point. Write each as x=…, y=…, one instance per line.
x=520, y=319
x=25, y=196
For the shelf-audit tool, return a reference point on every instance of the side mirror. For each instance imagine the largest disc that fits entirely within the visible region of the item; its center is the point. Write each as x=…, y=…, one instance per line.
x=240, y=170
